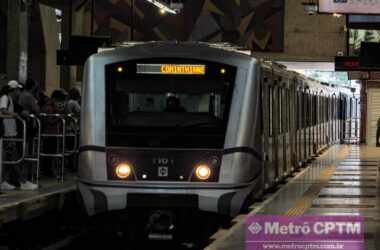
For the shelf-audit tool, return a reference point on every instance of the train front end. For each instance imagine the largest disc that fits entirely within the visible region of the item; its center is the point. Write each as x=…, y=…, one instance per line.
x=168, y=134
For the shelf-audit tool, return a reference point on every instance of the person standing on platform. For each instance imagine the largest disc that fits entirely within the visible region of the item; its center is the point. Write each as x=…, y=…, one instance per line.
x=10, y=147
x=73, y=104
x=53, y=127
x=27, y=99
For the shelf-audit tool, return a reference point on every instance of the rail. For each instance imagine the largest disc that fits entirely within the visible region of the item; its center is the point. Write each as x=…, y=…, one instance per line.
x=30, y=144
x=57, y=124
x=22, y=140
x=34, y=145
x=4, y=139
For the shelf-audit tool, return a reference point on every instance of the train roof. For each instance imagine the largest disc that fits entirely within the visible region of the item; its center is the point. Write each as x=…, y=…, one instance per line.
x=280, y=70
x=222, y=45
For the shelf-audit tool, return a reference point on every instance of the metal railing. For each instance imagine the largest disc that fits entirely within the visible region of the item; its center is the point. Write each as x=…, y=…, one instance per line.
x=34, y=145
x=31, y=147
x=15, y=140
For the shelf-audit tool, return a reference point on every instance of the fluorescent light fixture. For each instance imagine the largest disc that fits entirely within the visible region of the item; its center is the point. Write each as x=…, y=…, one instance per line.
x=163, y=6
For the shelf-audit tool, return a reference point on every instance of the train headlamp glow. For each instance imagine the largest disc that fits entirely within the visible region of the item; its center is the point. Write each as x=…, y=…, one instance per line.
x=120, y=69
x=203, y=172
x=123, y=170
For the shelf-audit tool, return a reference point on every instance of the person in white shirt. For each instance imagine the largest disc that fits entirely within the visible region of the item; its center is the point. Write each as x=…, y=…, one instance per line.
x=10, y=131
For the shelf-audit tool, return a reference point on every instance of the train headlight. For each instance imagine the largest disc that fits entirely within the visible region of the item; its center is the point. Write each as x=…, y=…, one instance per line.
x=203, y=172
x=120, y=69
x=123, y=170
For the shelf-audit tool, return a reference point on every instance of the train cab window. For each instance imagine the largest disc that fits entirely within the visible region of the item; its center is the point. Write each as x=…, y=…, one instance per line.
x=181, y=106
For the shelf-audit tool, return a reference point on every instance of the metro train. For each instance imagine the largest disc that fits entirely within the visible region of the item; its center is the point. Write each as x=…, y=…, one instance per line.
x=176, y=136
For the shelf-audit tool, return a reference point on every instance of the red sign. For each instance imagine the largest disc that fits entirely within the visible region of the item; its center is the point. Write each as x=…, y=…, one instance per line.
x=347, y=63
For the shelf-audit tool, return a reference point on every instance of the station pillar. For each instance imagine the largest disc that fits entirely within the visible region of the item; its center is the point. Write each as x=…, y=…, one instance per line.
x=65, y=77
x=17, y=39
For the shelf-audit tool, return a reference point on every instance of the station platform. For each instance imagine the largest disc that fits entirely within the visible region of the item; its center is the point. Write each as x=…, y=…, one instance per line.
x=25, y=205
x=344, y=180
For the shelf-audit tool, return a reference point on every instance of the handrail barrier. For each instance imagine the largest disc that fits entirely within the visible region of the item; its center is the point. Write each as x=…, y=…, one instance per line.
x=72, y=132
x=63, y=128
x=59, y=127
x=21, y=140
x=34, y=145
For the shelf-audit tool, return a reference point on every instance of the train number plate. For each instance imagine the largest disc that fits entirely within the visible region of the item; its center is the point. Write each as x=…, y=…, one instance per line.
x=163, y=171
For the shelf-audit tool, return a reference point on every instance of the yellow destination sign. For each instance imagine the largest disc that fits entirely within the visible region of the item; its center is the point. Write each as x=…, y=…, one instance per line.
x=181, y=69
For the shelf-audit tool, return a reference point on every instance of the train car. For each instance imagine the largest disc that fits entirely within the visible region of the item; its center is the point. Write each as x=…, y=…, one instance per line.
x=170, y=135
x=175, y=136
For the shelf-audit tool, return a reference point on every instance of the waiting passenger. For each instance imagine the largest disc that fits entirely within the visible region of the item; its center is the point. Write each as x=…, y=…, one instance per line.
x=56, y=105
x=53, y=127
x=10, y=147
x=173, y=105
x=73, y=104
x=27, y=99
x=42, y=98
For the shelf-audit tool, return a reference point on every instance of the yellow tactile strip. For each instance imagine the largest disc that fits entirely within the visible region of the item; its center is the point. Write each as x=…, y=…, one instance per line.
x=306, y=201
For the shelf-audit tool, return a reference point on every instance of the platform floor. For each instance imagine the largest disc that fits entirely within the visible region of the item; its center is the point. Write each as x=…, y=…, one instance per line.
x=19, y=204
x=342, y=181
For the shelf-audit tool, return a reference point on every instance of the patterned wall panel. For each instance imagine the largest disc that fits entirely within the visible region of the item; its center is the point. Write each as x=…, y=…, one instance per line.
x=255, y=24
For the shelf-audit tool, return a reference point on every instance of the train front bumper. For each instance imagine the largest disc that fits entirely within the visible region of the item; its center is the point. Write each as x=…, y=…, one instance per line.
x=226, y=199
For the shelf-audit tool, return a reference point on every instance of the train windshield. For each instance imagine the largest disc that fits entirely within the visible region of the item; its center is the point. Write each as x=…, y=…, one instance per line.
x=185, y=105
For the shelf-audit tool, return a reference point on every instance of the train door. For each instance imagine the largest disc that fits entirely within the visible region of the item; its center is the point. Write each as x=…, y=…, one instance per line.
x=280, y=131
x=330, y=120
x=287, y=142
x=276, y=125
x=314, y=122
x=298, y=127
x=357, y=120
x=308, y=123
x=269, y=131
x=333, y=118
x=293, y=123
x=342, y=118
x=283, y=142
x=265, y=88
x=304, y=126
x=320, y=121
x=350, y=120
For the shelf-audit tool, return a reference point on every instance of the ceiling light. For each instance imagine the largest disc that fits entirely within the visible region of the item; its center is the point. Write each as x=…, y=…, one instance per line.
x=163, y=6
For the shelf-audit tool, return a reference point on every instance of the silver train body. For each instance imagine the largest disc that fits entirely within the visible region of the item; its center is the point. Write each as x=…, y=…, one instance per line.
x=276, y=121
